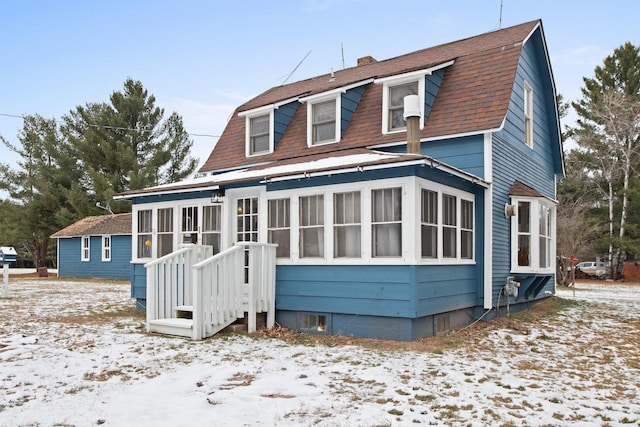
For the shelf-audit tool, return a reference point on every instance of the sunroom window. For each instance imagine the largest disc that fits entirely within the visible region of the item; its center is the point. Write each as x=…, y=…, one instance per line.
x=312, y=226
x=447, y=225
x=212, y=226
x=279, y=226
x=144, y=233
x=347, y=229
x=165, y=231
x=386, y=222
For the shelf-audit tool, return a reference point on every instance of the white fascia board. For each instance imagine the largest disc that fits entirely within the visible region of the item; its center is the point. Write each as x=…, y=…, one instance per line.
x=428, y=162
x=414, y=74
x=438, y=138
x=334, y=92
x=266, y=108
x=167, y=190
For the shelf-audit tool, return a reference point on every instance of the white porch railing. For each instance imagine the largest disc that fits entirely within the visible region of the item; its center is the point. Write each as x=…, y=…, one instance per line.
x=213, y=289
x=169, y=279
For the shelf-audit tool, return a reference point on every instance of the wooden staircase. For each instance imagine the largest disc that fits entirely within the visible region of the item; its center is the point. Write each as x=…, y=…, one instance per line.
x=182, y=324
x=192, y=297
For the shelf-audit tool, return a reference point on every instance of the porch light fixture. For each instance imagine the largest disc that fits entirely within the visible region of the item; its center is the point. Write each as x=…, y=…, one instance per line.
x=217, y=196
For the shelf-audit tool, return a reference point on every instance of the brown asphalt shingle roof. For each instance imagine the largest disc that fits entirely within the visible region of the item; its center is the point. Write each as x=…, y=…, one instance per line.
x=95, y=225
x=473, y=97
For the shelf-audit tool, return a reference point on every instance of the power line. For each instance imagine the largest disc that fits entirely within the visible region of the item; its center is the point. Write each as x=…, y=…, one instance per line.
x=112, y=127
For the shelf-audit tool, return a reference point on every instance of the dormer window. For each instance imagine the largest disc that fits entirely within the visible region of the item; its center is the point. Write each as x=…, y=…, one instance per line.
x=323, y=122
x=323, y=118
x=395, y=114
x=259, y=134
x=395, y=88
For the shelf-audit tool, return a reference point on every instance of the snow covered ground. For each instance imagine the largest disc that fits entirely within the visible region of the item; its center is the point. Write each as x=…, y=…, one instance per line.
x=75, y=353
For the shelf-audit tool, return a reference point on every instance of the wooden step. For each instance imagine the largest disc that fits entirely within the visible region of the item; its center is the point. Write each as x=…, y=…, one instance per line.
x=175, y=326
x=184, y=311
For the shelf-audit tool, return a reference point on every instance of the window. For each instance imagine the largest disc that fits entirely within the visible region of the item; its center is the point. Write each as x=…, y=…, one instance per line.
x=447, y=225
x=429, y=224
x=189, y=228
x=279, y=226
x=395, y=107
x=524, y=234
x=528, y=115
x=346, y=225
x=165, y=231
x=466, y=229
x=533, y=237
x=323, y=128
x=144, y=233
x=86, y=248
x=312, y=226
x=313, y=322
x=106, y=248
x=544, y=219
x=247, y=225
x=386, y=222
x=260, y=134
x=212, y=226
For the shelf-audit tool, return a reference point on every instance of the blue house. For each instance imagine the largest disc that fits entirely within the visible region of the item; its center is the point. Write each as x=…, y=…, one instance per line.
x=406, y=197
x=96, y=247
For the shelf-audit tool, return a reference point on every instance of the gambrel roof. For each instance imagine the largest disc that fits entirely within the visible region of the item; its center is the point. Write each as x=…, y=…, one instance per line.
x=472, y=98
x=97, y=225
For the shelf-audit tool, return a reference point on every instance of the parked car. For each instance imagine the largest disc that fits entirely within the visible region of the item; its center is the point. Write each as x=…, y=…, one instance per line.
x=592, y=268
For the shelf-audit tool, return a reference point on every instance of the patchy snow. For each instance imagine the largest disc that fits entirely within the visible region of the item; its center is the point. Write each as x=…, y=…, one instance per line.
x=74, y=353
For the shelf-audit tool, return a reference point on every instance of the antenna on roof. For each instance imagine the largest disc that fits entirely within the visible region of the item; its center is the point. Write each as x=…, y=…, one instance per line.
x=342, y=50
x=500, y=21
x=294, y=70
x=106, y=208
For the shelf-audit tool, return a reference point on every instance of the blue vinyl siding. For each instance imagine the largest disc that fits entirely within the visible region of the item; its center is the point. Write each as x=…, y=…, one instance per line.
x=443, y=288
x=514, y=160
x=70, y=264
x=431, y=87
x=465, y=153
x=281, y=118
x=139, y=282
x=363, y=289
x=349, y=101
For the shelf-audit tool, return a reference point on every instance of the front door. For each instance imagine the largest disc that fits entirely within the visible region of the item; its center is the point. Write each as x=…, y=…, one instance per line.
x=247, y=226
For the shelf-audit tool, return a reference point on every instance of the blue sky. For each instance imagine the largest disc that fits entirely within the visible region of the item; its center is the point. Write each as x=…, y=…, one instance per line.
x=204, y=58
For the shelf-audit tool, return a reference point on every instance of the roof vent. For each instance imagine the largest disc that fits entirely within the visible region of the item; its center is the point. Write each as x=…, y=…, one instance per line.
x=366, y=60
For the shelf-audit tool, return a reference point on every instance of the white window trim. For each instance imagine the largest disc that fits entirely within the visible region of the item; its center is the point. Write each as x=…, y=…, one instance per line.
x=365, y=188
x=387, y=85
x=106, y=249
x=247, y=144
x=177, y=231
x=459, y=195
x=528, y=114
x=311, y=101
x=534, y=268
x=85, y=248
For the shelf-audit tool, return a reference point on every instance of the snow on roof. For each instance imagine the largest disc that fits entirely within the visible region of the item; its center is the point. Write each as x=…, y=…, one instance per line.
x=329, y=163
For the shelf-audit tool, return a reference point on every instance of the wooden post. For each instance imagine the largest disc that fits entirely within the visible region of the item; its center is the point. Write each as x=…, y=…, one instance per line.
x=5, y=274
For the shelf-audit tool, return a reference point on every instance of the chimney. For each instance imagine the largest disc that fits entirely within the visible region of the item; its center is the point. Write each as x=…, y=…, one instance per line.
x=366, y=60
x=412, y=116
